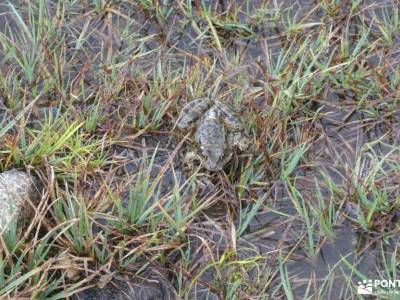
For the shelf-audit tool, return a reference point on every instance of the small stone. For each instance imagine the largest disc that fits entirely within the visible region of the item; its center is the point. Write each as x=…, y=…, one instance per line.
x=16, y=187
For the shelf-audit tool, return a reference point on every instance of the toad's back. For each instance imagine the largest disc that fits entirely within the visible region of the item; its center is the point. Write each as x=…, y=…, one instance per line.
x=210, y=135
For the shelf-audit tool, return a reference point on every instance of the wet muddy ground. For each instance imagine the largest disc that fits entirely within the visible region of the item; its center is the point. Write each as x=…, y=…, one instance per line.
x=322, y=227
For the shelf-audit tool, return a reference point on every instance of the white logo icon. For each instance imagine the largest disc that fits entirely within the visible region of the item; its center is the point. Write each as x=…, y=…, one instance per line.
x=364, y=287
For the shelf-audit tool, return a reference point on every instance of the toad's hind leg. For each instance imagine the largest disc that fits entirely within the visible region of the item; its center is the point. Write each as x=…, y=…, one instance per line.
x=192, y=112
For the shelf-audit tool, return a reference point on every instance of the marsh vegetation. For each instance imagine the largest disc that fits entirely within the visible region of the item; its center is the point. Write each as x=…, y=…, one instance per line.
x=90, y=91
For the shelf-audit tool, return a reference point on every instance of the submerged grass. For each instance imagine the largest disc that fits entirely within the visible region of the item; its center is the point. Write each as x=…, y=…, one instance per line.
x=87, y=86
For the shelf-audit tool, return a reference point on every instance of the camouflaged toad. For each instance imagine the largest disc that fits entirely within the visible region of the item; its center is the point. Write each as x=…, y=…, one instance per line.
x=219, y=130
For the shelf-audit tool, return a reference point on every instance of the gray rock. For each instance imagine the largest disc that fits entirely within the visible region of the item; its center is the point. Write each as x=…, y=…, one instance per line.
x=16, y=188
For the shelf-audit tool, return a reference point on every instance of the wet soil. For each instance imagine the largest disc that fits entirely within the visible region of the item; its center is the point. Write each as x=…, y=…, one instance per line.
x=342, y=150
